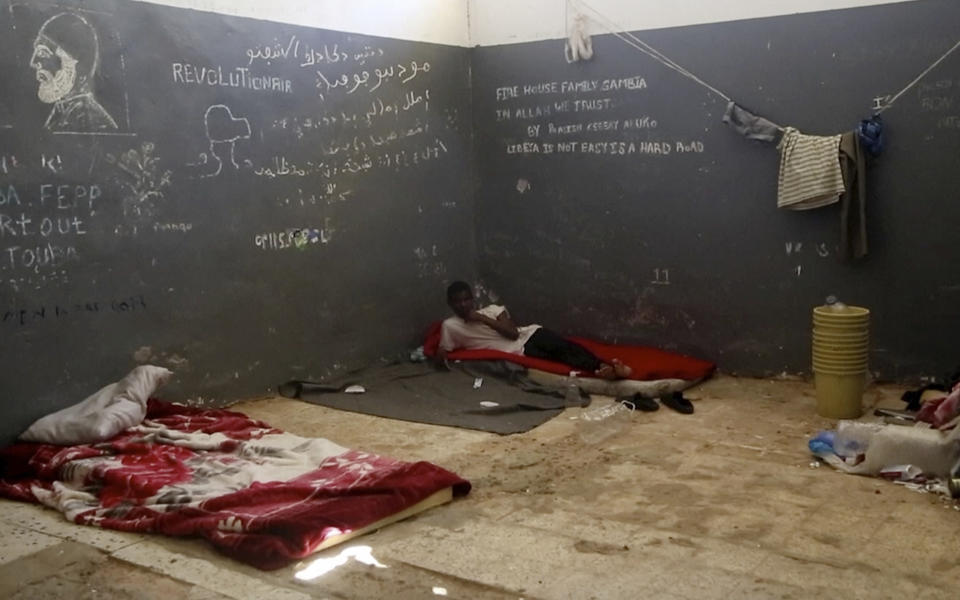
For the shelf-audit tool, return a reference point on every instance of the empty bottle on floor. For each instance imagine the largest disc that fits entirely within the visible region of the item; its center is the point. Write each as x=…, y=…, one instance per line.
x=571, y=390
x=602, y=422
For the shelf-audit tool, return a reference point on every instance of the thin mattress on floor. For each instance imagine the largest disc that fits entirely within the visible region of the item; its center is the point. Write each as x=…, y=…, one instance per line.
x=258, y=494
x=648, y=364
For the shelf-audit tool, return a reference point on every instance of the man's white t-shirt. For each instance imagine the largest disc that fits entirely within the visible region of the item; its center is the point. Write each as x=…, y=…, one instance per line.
x=457, y=333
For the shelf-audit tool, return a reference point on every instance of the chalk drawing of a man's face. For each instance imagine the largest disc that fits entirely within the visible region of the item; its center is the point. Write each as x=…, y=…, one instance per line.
x=56, y=71
x=66, y=56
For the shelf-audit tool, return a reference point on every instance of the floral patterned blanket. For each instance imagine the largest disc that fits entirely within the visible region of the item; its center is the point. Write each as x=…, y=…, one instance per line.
x=258, y=494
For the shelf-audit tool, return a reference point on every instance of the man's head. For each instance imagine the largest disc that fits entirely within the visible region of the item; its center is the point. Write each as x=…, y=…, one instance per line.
x=65, y=56
x=460, y=298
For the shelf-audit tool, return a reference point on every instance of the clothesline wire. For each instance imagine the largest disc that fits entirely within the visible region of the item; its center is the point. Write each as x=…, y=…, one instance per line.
x=633, y=41
x=890, y=102
x=638, y=44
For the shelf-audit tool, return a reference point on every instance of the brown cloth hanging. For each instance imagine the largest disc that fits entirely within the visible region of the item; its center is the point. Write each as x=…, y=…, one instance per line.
x=853, y=201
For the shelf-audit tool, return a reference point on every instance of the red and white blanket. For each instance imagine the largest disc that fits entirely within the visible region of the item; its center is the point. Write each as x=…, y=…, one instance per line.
x=260, y=495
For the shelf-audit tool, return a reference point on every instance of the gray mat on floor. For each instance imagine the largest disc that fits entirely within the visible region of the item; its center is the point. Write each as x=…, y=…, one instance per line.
x=421, y=393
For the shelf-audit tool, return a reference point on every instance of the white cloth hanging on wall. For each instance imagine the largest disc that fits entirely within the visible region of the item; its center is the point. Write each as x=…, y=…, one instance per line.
x=579, y=46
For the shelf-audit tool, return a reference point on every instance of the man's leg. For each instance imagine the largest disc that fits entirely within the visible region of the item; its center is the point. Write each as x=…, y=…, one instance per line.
x=551, y=346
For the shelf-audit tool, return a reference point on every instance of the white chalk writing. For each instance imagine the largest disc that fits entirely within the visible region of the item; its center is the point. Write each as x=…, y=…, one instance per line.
x=621, y=148
x=546, y=110
x=370, y=81
x=821, y=248
x=238, y=77
x=294, y=49
x=951, y=122
x=280, y=166
x=941, y=96
x=579, y=120
x=52, y=163
x=429, y=262
x=176, y=227
x=392, y=109
x=635, y=82
x=329, y=193
x=561, y=129
x=9, y=196
x=8, y=162
x=936, y=103
x=327, y=55
x=276, y=51
x=297, y=237
x=39, y=226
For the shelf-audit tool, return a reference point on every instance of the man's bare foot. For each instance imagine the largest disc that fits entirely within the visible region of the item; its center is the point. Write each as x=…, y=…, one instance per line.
x=606, y=372
x=621, y=370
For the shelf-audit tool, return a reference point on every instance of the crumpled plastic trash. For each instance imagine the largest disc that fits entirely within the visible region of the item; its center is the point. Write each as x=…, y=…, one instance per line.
x=910, y=473
x=874, y=448
x=822, y=443
x=418, y=355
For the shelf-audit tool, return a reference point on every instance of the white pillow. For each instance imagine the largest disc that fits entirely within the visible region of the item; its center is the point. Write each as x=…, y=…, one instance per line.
x=104, y=414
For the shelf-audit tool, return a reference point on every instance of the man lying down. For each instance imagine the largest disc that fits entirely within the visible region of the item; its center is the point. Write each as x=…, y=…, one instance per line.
x=491, y=328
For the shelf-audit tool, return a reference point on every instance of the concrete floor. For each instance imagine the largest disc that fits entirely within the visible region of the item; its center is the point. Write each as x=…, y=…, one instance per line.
x=720, y=504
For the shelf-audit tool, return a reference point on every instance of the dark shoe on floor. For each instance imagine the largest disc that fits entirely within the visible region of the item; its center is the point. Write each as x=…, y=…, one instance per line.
x=642, y=403
x=677, y=402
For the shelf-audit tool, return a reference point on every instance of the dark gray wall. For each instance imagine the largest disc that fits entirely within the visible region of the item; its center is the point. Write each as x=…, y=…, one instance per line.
x=688, y=251
x=185, y=257
x=149, y=245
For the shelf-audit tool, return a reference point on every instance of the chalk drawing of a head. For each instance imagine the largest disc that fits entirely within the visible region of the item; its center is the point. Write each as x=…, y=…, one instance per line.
x=223, y=131
x=66, y=56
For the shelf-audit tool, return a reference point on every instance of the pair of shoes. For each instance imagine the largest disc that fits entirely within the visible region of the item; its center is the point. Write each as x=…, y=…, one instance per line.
x=677, y=402
x=642, y=403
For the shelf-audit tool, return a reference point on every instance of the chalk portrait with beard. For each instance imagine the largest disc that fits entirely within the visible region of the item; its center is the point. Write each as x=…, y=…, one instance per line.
x=65, y=58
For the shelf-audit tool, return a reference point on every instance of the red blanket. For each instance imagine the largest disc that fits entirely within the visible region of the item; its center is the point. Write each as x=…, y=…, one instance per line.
x=647, y=363
x=260, y=495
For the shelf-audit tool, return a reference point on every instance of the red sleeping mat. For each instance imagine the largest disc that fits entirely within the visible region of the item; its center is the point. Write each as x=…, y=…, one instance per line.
x=258, y=494
x=647, y=363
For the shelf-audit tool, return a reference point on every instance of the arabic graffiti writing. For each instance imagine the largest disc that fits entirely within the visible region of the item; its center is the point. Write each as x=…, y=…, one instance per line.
x=305, y=55
x=371, y=82
x=280, y=166
x=378, y=111
x=327, y=194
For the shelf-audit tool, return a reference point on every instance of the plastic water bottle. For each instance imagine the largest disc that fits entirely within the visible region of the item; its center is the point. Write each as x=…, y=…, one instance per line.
x=571, y=390
x=853, y=438
x=834, y=303
x=598, y=424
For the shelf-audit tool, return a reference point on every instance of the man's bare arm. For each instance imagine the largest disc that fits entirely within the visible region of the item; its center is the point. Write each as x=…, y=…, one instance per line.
x=503, y=324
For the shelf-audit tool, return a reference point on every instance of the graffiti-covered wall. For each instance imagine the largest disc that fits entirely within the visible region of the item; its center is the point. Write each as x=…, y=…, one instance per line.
x=241, y=201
